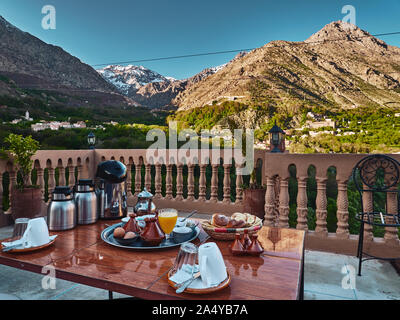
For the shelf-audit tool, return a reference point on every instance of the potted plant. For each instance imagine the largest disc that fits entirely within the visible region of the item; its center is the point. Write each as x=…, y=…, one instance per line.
x=26, y=199
x=254, y=197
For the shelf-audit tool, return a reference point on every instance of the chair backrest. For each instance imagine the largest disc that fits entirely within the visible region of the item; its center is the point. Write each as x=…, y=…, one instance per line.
x=377, y=172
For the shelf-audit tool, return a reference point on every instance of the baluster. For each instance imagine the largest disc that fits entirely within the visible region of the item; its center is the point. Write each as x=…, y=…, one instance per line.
x=158, y=181
x=269, y=218
x=79, y=174
x=202, y=183
x=283, y=220
x=239, y=183
x=61, y=176
x=129, y=179
x=52, y=181
x=302, y=209
x=71, y=176
x=190, y=185
x=13, y=180
x=321, y=211
x=214, y=184
x=179, y=182
x=1, y=192
x=147, y=177
x=227, y=184
x=168, y=182
x=391, y=236
x=342, y=214
x=138, y=179
x=368, y=205
x=40, y=179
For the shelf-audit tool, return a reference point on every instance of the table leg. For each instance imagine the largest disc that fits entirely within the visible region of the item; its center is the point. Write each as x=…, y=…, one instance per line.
x=110, y=295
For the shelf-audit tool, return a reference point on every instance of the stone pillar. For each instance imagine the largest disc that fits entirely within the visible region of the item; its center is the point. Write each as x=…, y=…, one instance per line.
x=168, y=182
x=61, y=176
x=158, y=181
x=239, y=183
x=52, y=181
x=342, y=214
x=1, y=192
x=284, y=208
x=179, y=182
x=138, y=178
x=391, y=236
x=367, y=199
x=129, y=179
x=269, y=218
x=71, y=176
x=227, y=184
x=202, y=183
x=147, y=178
x=302, y=210
x=40, y=180
x=321, y=211
x=190, y=184
x=214, y=184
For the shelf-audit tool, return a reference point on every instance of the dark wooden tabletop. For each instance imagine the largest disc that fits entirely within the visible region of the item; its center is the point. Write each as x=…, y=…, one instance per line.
x=80, y=255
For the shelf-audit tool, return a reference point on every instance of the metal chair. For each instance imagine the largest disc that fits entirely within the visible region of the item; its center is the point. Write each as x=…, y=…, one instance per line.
x=376, y=173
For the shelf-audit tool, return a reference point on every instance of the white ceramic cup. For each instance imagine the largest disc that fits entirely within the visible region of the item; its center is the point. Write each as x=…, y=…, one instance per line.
x=211, y=264
x=36, y=233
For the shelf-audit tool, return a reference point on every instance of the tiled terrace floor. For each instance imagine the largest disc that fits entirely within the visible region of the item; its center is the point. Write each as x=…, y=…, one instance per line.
x=322, y=275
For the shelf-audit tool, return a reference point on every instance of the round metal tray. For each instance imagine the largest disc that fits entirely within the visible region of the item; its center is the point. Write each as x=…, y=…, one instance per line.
x=107, y=236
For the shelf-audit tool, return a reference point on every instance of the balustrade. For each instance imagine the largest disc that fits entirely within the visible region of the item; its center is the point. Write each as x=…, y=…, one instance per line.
x=74, y=165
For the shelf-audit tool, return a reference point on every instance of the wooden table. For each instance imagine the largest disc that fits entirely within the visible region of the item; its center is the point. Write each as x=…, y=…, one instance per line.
x=81, y=256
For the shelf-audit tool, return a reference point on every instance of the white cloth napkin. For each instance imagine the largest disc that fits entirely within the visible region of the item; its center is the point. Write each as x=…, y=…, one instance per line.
x=185, y=273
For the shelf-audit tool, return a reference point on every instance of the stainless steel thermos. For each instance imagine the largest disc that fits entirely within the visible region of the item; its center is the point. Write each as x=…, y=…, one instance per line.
x=86, y=202
x=114, y=174
x=61, y=213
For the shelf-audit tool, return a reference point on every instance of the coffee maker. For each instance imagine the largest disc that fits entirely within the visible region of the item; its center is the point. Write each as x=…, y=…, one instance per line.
x=112, y=190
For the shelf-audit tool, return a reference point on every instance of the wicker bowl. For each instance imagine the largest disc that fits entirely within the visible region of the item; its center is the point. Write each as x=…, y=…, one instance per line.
x=221, y=233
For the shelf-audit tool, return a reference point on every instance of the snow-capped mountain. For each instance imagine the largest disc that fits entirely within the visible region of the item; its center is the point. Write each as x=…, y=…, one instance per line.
x=131, y=78
x=148, y=87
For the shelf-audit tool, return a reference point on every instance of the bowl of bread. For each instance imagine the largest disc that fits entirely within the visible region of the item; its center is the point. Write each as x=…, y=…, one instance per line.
x=223, y=227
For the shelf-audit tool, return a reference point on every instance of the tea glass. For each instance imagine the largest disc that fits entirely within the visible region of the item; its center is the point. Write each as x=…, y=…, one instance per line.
x=186, y=260
x=20, y=226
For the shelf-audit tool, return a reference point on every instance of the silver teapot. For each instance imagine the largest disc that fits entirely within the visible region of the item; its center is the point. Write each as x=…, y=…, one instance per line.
x=145, y=204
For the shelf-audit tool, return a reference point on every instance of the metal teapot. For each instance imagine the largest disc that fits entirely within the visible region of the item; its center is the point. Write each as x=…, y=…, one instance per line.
x=145, y=204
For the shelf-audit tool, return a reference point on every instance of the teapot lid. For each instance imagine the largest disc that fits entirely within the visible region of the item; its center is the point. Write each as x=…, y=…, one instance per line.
x=145, y=194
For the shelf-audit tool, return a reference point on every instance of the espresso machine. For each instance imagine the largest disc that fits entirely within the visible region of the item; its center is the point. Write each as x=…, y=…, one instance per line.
x=111, y=191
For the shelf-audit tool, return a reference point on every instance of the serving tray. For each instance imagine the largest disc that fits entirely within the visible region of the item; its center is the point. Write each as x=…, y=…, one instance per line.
x=138, y=244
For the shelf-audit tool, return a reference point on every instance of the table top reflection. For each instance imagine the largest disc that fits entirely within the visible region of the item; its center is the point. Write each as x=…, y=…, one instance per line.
x=80, y=255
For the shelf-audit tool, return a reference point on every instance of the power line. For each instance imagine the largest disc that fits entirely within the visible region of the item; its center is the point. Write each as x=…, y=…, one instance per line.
x=248, y=49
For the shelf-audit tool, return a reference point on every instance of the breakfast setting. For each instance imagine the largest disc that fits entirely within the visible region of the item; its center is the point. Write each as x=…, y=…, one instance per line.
x=201, y=255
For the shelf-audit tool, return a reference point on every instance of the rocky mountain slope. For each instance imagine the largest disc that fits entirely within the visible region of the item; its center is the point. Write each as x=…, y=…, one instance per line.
x=26, y=62
x=341, y=66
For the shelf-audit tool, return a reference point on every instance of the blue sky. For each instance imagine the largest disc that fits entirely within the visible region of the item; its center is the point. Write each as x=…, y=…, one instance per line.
x=105, y=31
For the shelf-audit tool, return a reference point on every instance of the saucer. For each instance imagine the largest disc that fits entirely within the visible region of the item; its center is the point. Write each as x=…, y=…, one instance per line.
x=27, y=249
x=218, y=287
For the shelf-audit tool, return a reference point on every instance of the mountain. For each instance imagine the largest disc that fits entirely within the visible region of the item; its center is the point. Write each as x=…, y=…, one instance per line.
x=32, y=65
x=148, y=87
x=341, y=66
x=130, y=78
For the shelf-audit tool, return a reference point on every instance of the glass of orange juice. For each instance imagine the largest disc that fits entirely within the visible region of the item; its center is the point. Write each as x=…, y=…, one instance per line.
x=167, y=219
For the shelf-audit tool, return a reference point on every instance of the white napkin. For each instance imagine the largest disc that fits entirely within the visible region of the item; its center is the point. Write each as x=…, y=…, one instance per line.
x=185, y=273
x=20, y=242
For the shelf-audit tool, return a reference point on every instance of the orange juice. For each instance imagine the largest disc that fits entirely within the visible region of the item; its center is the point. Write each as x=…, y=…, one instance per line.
x=167, y=220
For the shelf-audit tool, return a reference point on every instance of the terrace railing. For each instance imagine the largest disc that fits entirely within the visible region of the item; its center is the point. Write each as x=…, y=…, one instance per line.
x=216, y=187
